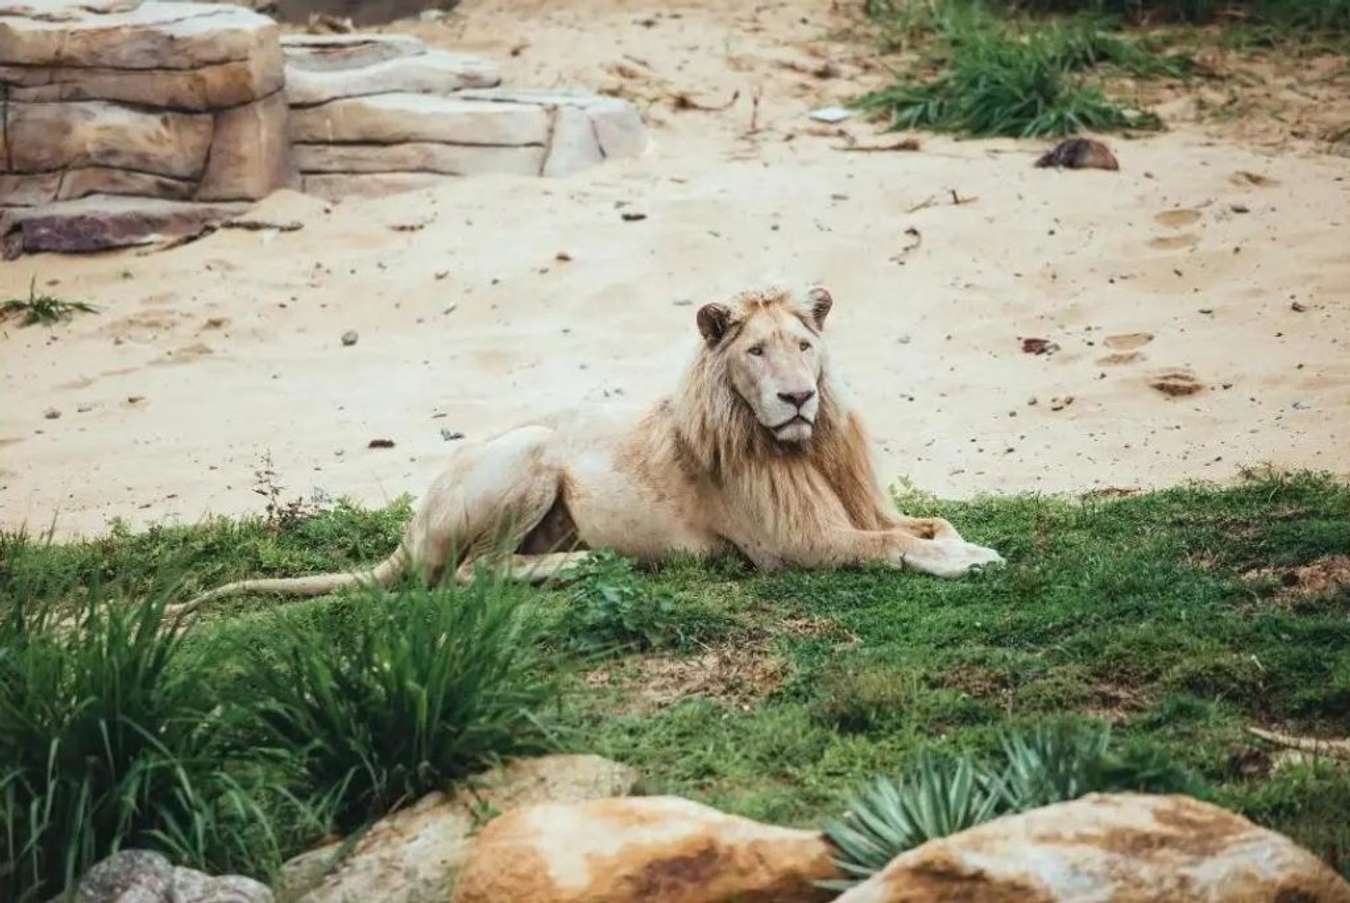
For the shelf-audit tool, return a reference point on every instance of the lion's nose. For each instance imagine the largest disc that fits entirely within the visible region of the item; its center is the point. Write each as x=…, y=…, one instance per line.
x=797, y=398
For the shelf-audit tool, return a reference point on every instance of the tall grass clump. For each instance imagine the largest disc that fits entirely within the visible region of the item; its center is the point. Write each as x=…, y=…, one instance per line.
x=95, y=724
x=1317, y=15
x=427, y=685
x=999, y=82
x=1000, y=76
x=1054, y=762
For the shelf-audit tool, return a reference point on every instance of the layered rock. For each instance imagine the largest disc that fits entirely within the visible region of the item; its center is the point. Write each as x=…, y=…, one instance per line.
x=165, y=100
x=372, y=114
x=204, y=103
x=646, y=848
x=320, y=68
x=414, y=855
x=1145, y=849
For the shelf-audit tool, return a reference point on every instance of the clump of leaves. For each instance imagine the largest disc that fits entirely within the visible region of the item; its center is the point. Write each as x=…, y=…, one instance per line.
x=612, y=608
x=1054, y=762
x=43, y=308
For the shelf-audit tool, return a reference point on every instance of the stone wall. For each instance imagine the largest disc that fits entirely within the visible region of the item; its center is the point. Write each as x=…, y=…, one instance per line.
x=124, y=121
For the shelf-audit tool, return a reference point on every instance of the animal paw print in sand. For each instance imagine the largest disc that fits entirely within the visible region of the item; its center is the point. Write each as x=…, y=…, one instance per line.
x=1178, y=218
x=1176, y=383
x=1125, y=348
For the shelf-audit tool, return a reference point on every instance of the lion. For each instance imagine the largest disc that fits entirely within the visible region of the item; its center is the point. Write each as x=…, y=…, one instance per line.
x=758, y=453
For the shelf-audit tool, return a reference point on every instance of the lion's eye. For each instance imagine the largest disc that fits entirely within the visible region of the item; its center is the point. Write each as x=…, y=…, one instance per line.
x=806, y=346
x=756, y=350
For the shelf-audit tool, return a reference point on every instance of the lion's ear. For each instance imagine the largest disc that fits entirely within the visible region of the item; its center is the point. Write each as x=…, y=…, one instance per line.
x=713, y=321
x=820, y=302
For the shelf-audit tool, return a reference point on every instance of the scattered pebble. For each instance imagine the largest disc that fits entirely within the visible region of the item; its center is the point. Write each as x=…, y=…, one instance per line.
x=349, y=337
x=562, y=256
x=51, y=413
x=451, y=435
x=1297, y=308
x=632, y=217
x=380, y=443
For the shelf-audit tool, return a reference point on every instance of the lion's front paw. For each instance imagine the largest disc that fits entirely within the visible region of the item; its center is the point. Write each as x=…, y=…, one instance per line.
x=950, y=559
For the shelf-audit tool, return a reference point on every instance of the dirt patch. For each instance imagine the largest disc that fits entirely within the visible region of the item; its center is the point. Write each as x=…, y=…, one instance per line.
x=1322, y=577
x=736, y=675
x=982, y=683
x=1115, y=704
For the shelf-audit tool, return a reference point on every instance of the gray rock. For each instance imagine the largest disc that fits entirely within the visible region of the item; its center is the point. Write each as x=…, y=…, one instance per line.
x=131, y=876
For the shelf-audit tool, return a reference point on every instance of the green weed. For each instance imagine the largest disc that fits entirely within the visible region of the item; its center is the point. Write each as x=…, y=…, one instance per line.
x=43, y=308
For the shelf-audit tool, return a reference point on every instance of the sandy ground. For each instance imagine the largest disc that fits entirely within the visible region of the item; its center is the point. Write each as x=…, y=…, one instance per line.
x=1199, y=299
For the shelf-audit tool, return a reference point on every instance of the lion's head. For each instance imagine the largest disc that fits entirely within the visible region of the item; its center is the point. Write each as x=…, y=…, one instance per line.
x=769, y=352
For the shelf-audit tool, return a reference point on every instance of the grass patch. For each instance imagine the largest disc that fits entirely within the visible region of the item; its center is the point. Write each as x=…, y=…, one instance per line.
x=1151, y=613
x=996, y=78
x=43, y=308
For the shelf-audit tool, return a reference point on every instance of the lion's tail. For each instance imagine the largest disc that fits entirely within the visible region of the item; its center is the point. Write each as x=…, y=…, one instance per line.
x=382, y=574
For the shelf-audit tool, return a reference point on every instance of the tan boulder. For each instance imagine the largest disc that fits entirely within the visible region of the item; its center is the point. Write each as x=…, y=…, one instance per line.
x=413, y=855
x=1126, y=847
x=334, y=186
x=397, y=118
x=153, y=35
x=42, y=137
x=419, y=157
x=63, y=10
x=211, y=87
x=617, y=126
x=640, y=849
x=320, y=68
x=250, y=152
x=25, y=190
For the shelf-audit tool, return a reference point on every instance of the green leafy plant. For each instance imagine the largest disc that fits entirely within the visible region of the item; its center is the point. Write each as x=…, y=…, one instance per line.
x=610, y=608
x=43, y=308
x=431, y=684
x=1053, y=762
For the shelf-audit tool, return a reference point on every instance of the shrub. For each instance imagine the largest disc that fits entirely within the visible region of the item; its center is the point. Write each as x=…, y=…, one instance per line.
x=430, y=685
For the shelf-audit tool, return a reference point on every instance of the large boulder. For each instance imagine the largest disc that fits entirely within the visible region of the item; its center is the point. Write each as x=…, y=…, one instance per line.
x=1128, y=847
x=413, y=855
x=140, y=876
x=320, y=68
x=639, y=849
x=100, y=222
x=158, y=102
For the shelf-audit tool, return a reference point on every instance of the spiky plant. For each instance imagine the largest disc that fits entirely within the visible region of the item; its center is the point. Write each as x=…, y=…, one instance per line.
x=937, y=798
x=1053, y=762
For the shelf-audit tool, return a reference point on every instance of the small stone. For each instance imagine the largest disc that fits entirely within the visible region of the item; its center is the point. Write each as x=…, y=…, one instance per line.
x=380, y=443
x=51, y=413
x=349, y=337
x=451, y=435
x=1297, y=308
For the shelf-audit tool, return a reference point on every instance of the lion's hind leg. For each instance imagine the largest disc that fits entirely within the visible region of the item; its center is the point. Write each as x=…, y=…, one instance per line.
x=489, y=498
x=528, y=568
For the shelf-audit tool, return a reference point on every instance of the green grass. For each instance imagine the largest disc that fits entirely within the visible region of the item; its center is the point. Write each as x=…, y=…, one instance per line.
x=43, y=308
x=1137, y=611
x=995, y=77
